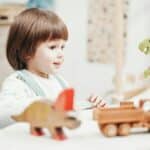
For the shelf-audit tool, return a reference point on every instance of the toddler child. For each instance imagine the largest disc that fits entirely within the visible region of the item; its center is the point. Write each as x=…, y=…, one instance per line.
x=35, y=50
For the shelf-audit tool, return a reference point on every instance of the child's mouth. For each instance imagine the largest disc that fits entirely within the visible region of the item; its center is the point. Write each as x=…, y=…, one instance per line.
x=57, y=64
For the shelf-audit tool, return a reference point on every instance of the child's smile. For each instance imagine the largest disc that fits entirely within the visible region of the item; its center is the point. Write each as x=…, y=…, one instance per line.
x=57, y=64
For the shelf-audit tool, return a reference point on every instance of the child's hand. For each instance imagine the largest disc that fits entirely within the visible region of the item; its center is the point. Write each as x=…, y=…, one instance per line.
x=96, y=101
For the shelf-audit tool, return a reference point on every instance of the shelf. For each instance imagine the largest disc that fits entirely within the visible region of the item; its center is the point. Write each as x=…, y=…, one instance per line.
x=8, y=12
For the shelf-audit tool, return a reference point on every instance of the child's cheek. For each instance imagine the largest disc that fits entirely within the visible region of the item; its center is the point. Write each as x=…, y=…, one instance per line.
x=52, y=55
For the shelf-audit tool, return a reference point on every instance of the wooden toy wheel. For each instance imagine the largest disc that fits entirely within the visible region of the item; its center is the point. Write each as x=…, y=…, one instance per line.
x=109, y=130
x=123, y=129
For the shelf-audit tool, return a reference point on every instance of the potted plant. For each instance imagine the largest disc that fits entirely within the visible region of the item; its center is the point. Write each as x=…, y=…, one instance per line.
x=144, y=47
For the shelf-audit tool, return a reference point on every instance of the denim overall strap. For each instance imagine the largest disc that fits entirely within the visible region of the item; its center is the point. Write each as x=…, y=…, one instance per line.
x=29, y=80
x=61, y=82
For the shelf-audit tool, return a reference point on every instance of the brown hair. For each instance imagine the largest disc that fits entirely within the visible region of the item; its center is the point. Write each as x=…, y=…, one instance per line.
x=30, y=28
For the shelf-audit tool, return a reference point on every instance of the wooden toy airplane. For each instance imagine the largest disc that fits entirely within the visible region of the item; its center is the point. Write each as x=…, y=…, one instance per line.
x=53, y=116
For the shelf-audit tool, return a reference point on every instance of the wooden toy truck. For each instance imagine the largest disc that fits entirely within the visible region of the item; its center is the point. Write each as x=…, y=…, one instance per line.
x=118, y=120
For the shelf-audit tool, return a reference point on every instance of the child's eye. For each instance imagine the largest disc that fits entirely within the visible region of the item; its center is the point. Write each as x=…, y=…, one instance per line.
x=62, y=47
x=52, y=47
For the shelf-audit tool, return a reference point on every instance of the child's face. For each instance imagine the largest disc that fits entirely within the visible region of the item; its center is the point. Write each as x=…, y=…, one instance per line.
x=48, y=58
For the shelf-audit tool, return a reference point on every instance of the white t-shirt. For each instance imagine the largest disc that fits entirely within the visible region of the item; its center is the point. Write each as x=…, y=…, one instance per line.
x=16, y=94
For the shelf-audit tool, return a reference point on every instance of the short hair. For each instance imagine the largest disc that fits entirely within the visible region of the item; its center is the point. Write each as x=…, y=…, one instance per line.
x=29, y=29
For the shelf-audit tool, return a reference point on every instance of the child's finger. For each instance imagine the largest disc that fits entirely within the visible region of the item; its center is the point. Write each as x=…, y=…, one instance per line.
x=101, y=105
x=100, y=102
x=92, y=98
x=97, y=101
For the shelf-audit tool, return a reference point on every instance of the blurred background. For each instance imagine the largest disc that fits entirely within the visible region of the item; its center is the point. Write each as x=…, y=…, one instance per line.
x=102, y=55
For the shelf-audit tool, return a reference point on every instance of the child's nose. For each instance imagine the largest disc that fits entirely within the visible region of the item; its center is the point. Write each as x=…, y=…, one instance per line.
x=60, y=54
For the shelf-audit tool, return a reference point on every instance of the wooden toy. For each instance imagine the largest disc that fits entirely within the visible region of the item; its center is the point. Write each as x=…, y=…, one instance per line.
x=53, y=116
x=115, y=121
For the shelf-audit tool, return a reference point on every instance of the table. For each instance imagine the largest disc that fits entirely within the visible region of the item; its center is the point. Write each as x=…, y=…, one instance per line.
x=87, y=136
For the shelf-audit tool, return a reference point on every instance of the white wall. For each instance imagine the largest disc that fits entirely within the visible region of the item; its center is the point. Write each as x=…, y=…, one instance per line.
x=85, y=77
x=138, y=29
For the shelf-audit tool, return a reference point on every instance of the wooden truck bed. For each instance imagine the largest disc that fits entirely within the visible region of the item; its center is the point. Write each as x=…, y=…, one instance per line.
x=118, y=115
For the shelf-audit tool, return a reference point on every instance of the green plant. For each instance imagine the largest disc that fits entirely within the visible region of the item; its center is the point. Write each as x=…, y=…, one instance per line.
x=144, y=47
